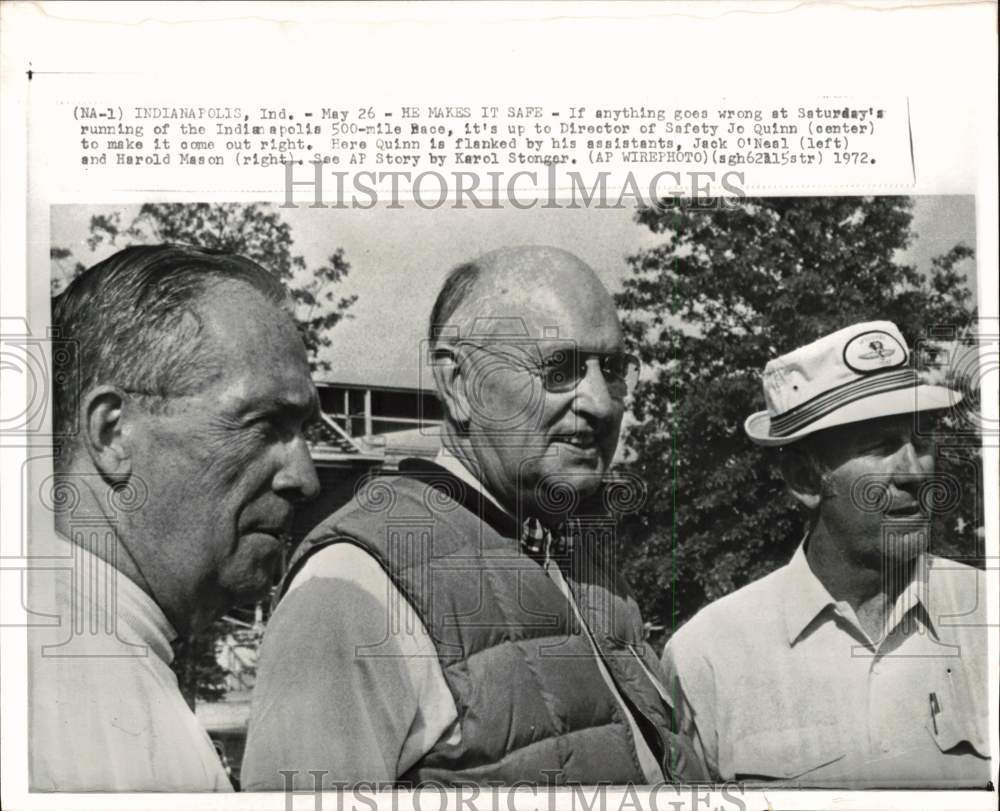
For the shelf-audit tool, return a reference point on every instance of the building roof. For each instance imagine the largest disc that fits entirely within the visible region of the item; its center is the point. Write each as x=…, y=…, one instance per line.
x=377, y=377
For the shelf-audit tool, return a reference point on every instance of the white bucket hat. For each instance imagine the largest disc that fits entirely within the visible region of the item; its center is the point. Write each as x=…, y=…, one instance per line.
x=857, y=373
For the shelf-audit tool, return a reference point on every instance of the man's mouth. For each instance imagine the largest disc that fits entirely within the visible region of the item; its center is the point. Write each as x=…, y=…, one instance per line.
x=280, y=535
x=581, y=440
x=909, y=509
x=274, y=533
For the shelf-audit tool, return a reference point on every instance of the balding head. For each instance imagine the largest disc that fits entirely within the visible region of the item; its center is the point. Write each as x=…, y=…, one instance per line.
x=498, y=327
x=513, y=289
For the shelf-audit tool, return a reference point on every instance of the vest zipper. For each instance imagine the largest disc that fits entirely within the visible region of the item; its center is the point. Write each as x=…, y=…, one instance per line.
x=652, y=677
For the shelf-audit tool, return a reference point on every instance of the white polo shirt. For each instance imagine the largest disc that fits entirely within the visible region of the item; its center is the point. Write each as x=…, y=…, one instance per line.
x=105, y=712
x=778, y=681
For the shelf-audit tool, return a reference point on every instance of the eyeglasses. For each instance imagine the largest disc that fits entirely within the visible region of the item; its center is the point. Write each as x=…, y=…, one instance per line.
x=563, y=369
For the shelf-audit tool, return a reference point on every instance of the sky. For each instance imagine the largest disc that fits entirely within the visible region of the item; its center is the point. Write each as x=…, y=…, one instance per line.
x=399, y=258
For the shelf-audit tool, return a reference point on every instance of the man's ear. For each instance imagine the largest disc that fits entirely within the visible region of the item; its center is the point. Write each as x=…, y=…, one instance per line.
x=802, y=476
x=103, y=437
x=451, y=385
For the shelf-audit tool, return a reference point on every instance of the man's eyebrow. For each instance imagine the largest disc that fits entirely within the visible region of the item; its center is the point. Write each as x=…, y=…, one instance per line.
x=307, y=409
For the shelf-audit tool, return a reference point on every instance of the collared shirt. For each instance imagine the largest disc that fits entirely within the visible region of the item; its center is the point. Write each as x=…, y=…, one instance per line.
x=778, y=681
x=105, y=711
x=397, y=705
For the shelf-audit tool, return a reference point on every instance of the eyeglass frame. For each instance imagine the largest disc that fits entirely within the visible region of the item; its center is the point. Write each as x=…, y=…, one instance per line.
x=581, y=357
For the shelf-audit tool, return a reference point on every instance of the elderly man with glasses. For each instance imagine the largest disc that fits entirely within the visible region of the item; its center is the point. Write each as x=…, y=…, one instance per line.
x=463, y=622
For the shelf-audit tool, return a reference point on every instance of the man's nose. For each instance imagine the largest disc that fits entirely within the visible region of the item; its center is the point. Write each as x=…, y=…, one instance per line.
x=909, y=461
x=593, y=394
x=297, y=475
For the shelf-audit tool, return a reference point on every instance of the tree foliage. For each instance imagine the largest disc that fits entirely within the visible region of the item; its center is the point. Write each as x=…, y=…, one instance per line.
x=730, y=287
x=254, y=230
x=199, y=675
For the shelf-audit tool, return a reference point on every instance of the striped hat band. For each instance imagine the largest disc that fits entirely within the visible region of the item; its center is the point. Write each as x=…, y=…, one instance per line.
x=808, y=412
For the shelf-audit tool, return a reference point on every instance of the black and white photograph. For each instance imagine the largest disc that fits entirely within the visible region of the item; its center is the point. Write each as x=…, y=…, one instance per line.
x=499, y=406
x=516, y=497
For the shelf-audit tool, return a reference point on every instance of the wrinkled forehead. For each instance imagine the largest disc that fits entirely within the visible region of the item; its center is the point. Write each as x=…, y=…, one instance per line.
x=275, y=380
x=247, y=332
x=233, y=313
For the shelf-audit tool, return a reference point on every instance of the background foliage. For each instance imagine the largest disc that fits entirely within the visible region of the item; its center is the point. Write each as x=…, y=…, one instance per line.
x=253, y=230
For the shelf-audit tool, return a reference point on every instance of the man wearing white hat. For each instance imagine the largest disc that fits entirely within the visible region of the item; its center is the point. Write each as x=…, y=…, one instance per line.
x=861, y=663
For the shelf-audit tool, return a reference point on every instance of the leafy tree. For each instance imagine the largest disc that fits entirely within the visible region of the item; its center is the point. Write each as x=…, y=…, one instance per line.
x=734, y=284
x=258, y=232
x=253, y=230
x=199, y=674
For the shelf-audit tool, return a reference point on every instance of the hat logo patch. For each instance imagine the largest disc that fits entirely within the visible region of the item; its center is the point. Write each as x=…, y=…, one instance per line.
x=873, y=352
x=878, y=351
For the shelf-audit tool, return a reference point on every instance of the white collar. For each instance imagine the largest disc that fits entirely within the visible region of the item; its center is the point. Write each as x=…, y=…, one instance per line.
x=132, y=606
x=806, y=597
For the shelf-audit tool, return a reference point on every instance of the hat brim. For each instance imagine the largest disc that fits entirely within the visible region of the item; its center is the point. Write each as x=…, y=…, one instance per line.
x=886, y=404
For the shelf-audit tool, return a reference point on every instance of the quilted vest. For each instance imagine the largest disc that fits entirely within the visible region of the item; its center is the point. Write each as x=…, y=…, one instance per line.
x=532, y=704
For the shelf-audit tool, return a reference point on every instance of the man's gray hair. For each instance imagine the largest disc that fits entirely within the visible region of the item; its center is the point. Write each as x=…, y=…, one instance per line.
x=127, y=322
x=456, y=288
